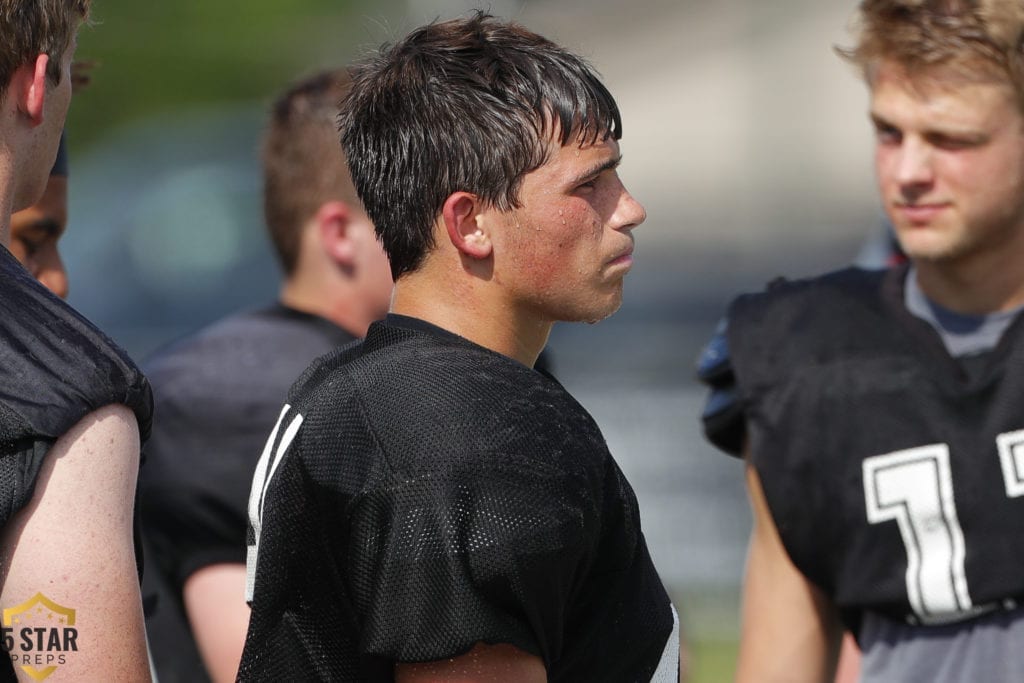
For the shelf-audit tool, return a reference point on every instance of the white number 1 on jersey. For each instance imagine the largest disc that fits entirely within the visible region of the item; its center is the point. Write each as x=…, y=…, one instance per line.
x=915, y=488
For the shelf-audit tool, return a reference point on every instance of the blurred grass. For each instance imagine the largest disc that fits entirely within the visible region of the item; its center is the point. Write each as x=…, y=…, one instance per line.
x=712, y=661
x=710, y=621
x=154, y=57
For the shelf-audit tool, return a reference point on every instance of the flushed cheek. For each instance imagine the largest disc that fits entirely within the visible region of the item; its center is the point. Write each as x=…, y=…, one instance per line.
x=584, y=224
x=981, y=176
x=886, y=170
x=1002, y=199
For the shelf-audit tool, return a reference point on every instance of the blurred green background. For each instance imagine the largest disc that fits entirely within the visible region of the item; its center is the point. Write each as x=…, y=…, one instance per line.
x=154, y=57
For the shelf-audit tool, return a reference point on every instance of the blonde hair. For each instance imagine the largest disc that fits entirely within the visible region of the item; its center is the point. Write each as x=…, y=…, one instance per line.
x=979, y=40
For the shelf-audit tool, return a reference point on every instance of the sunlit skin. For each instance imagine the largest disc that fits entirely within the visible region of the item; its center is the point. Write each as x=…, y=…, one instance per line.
x=563, y=255
x=44, y=151
x=35, y=232
x=949, y=157
x=374, y=274
x=506, y=276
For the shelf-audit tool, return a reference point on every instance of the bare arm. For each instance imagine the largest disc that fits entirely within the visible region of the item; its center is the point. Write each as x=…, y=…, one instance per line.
x=790, y=630
x=73, y=542
x=215, y=603
x=483, y=664
x=848, y=670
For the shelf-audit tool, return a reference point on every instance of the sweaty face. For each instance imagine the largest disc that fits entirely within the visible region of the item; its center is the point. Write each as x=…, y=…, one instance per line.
x=949, y=156
x=35, y=232
x=563, y=255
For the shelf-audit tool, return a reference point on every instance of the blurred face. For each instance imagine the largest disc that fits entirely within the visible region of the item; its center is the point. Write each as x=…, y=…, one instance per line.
x=949, y=156
x=35, y=232
x=563, y=255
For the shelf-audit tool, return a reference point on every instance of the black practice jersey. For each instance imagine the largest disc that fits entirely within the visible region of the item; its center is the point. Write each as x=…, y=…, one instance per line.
x=218, y=394
x=55, y=368
x=421, y=494
x=894, y=472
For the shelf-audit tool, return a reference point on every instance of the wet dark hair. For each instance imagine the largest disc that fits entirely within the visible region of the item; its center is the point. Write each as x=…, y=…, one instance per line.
x=471, y=105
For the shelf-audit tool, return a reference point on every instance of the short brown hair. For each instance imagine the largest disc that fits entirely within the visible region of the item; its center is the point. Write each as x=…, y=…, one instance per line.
x=303, y=163
x=32, y=27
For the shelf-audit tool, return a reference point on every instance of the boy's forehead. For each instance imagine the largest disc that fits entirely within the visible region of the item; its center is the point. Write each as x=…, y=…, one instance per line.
x=577, y=159
x=938, y=103
x=947, y=75
x=934, y=81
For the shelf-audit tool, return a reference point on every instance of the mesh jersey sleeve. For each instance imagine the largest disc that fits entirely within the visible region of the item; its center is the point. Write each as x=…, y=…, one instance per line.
x=474, y=556
x=21, y=457
x=723, y=415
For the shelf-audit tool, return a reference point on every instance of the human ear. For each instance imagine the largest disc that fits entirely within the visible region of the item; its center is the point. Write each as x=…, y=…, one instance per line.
x=463, y=219
x=30, y=85
x=332, y=225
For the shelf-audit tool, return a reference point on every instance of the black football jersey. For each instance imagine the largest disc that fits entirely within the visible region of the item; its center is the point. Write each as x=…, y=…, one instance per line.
x=55, y=368
x=218, y=393
x=894, y=473
x=421, y=494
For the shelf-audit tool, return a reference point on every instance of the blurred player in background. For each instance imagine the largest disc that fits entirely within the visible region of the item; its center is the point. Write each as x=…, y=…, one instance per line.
x=879, y=411
x=219, y=392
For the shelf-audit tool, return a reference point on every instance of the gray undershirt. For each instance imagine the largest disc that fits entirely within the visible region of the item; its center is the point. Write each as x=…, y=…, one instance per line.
x=963, y=335
x=987, y=649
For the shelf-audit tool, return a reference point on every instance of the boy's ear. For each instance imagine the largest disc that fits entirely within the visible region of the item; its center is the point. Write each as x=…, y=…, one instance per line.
x=463, y=218
x=29, y=86
x=333, y=219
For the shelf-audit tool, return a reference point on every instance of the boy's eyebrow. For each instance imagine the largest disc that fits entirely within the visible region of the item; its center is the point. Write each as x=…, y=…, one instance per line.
x=880, y=122
x=598, y=169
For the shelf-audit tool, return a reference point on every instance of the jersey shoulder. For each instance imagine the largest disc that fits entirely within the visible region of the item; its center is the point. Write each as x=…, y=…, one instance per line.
x=825, y=298
x=420, y=393
x=55, y=365
x=722, y=416
x=779, y=328
x=489, y=393
x=55, y=368
x=242, y=356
